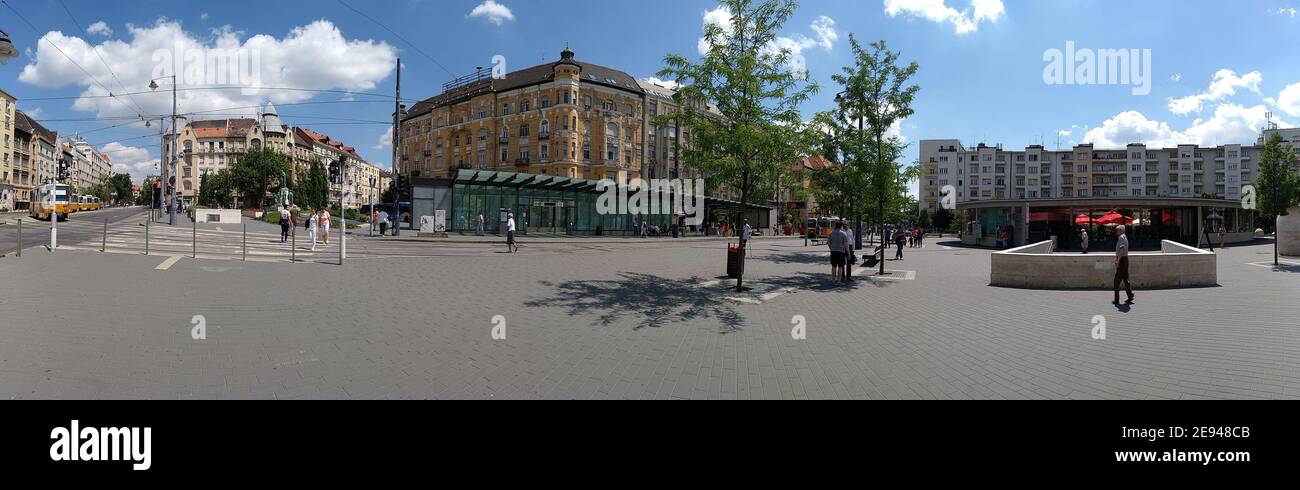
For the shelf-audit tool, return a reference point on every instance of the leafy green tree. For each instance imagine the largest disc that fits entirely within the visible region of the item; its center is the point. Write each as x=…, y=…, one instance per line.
x=255, y=171
x=877, y=92
x=217, y=190
x=313, y=187
x=756, y=93
x=1277, y=187
x=146, y=193
x=943, y=219
x=923, y=221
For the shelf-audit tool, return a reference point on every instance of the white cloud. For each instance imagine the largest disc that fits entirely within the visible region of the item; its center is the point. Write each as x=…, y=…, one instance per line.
x=385, y=140
x=315, y=56
x=720, y=17
x=99, y=29
x=1224, y=85
x=203, y=16
x=825, y=28
x=1289, y=100
x=1177, y=77
x=133, y=160
x=668, y=84
x=963, y=21
x=1288, y=11
x=796, y=44
x=35, y=113
x=493, y=12
x=1070, y=131
x=1231, y=124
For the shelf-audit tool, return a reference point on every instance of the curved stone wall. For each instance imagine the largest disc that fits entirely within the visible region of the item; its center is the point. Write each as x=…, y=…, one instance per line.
x=1036, y=267
x=1288, y=233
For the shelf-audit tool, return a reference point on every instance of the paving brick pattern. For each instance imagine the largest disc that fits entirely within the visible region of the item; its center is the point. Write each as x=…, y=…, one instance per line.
x=627, y=320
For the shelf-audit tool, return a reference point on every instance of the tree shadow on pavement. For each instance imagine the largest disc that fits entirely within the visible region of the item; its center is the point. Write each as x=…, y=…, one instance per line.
x=652, y=300
x=820, y=282
x=822, y=258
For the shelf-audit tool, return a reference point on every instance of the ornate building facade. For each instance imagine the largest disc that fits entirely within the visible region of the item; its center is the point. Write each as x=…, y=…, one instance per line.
x=568, y=118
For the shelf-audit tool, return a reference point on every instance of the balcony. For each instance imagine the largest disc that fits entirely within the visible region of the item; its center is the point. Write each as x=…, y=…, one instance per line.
x=522, y=162
x=544, y=135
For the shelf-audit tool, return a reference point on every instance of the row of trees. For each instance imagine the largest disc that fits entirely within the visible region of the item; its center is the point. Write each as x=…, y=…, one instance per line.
x=261, y=173
x=116, y=187
x=749, y=150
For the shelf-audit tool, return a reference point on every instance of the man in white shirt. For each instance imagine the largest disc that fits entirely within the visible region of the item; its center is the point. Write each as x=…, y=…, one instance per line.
x=510, y=233
x=744, y=236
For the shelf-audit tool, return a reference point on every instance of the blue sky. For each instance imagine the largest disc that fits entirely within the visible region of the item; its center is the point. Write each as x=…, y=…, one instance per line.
x=1216, y=66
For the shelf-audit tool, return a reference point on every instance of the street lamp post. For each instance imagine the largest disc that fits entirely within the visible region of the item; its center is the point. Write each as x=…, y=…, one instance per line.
x=169, y=173
x=372, y=206
x=343, y=220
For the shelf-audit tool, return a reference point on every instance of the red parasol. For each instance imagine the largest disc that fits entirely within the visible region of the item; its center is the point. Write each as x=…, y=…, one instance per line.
x=1113, y=218
x=1083, y=219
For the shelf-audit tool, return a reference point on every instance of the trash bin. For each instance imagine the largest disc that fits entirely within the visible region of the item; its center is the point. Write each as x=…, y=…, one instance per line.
x=734, y=263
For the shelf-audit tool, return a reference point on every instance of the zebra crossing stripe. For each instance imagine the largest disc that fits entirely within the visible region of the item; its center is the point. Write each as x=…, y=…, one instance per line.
x=167, y=264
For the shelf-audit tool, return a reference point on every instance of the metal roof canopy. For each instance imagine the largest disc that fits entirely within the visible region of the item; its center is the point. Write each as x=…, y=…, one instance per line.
x=551, y=182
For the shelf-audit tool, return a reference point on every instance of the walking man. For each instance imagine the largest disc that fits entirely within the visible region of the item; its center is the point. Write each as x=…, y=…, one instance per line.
x=1121, y=265
x=849, y=256
x=837, y=242
x=1223, y=237
x=900, y=239
x=480, y=224
x=744, y=236
x=1083, y=235
x=510, y=233
x=383, y=223
x=284, y=224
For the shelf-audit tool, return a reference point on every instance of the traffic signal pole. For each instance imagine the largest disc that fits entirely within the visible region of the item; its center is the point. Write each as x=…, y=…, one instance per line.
x=397, y=144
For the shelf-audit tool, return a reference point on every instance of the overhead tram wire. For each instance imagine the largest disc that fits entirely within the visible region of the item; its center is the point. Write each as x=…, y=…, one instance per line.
x=399, y=36
x=60, y=50
x=101, y=58
x=222, y=87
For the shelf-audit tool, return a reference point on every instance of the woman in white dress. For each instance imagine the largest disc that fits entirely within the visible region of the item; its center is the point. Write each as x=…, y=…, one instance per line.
x=312, y=223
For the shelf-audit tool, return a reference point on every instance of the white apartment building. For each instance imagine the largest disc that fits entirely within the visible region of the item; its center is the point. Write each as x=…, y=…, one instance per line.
x=988, y=173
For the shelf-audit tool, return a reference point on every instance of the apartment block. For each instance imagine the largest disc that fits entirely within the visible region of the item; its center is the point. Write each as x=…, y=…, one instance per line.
x=984, y=173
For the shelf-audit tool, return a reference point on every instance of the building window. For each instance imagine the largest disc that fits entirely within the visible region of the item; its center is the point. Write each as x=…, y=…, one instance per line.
x=523, y=130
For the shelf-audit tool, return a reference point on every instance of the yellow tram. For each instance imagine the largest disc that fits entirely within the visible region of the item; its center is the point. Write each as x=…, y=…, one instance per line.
x=51, y=200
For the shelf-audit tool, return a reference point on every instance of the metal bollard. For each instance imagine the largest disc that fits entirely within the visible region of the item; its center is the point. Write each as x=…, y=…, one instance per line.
x=245, y=245
x=146, y=233
x=103, y=244
x=194, y=239
x=20, y=237
x=293, y=246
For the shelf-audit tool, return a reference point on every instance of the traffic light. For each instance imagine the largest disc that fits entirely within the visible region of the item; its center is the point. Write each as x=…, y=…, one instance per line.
x=334, y=172
x=64, y=170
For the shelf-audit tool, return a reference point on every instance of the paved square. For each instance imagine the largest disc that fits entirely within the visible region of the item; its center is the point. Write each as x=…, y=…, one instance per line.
x=619, y=318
